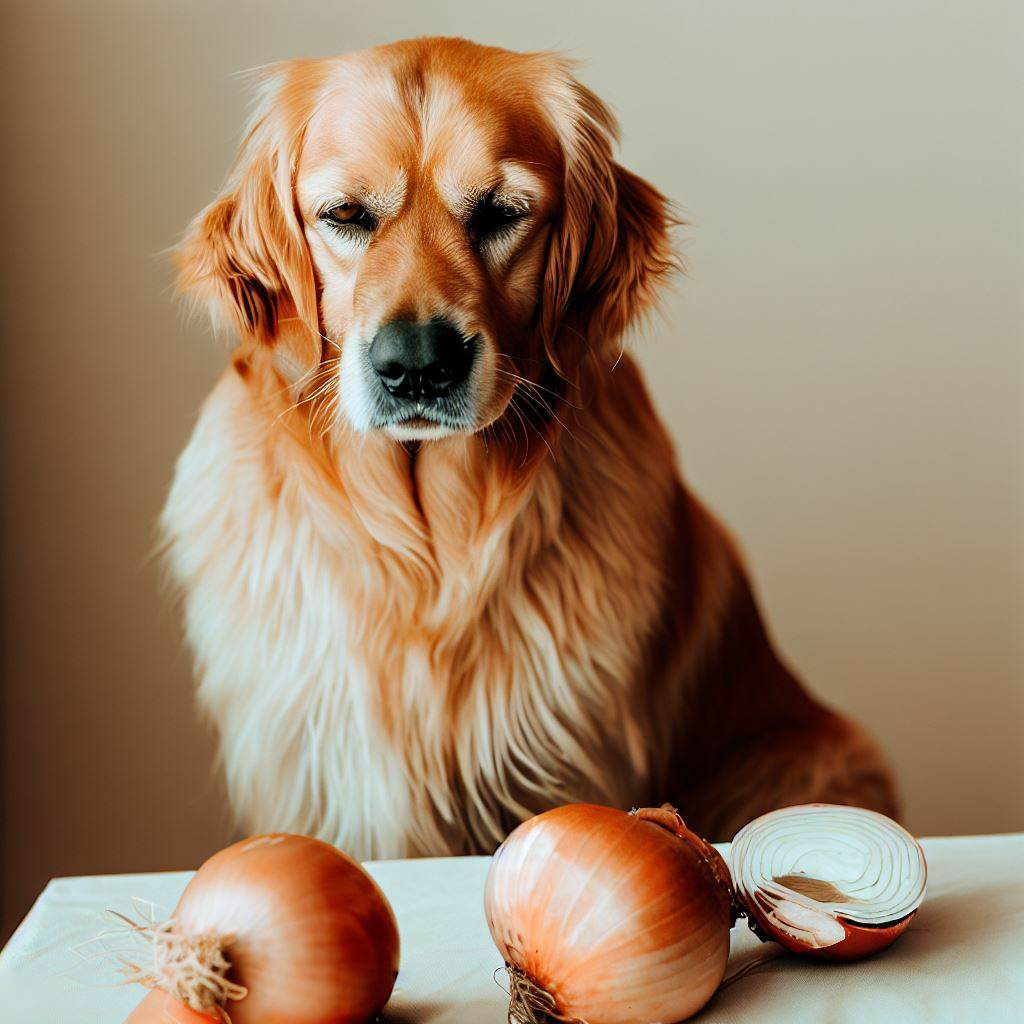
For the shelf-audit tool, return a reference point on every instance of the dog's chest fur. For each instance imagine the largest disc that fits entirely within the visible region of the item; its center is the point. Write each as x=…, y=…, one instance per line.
x=410, y=667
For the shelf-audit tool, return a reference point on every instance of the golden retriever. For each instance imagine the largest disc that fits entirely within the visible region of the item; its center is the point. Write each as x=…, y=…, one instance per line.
x=440, y=570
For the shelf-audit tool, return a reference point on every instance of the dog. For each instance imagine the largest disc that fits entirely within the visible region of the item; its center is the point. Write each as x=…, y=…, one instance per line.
x=440, y=571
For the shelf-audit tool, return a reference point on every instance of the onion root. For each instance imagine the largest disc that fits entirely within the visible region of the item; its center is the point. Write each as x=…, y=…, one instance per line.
x=192, y=968
x=529, y=1003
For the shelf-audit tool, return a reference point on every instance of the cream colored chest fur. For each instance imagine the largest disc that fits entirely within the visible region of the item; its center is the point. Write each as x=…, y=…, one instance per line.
x=395, y=675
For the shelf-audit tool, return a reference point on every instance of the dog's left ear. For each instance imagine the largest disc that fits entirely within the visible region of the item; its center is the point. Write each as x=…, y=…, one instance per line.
x=610, y=248
x=245, y=255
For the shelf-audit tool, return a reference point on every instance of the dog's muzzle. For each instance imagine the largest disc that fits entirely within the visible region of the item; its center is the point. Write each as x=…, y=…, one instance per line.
x=421, y=362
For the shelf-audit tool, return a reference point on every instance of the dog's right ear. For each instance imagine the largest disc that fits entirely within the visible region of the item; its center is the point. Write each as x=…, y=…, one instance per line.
x=245, y=255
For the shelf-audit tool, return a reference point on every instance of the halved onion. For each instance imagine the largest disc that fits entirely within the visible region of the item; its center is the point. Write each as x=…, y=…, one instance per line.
x=835, y=882
x=608, y=917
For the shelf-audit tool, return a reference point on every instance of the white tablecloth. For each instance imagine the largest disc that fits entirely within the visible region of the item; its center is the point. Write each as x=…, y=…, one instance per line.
x=962, y=959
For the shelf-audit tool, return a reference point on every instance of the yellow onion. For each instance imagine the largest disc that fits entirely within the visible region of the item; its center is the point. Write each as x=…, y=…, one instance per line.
x=608, y=917
x=835, y=882
x=278, y=929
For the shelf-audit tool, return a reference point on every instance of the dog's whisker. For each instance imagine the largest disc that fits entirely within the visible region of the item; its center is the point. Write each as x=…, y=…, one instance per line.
x=538, y=402
x=326, y=399
x=323, y=337
x=525, y=421
x=312, y=372
x=536, y=386
x=545, y=408
x=522, y=381
x=321, y=389
x=522, y=421
x=330, y=415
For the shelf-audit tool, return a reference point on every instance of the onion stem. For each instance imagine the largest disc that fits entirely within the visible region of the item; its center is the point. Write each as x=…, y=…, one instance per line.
x=668, y=818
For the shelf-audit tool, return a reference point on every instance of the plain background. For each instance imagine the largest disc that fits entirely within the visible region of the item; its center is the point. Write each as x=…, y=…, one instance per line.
x=842, y=369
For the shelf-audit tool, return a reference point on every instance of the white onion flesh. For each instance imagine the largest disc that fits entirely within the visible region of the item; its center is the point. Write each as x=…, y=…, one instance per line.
x=815, y=871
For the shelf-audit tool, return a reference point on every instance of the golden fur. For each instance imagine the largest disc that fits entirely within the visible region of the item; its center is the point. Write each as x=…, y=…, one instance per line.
x=411, y=638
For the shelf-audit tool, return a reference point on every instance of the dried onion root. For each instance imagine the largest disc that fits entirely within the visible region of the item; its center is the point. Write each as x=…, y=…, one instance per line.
x=835, y=882
x=188, y=975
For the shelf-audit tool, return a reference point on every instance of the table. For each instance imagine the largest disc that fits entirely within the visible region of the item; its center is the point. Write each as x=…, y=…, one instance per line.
x=962, y=959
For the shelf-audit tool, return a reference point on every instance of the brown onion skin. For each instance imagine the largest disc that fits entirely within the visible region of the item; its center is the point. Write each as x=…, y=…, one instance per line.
x=160, y=1008
x=669, y=876
x=307, y=931
x=860, y=941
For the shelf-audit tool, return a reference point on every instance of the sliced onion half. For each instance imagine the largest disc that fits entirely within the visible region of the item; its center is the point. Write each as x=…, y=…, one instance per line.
x=837, y=882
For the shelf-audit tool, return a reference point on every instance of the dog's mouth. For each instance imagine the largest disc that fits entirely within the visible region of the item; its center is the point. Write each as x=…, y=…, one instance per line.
x=422, y=427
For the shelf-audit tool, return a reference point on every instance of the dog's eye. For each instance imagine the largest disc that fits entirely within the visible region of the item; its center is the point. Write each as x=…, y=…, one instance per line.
x=490, y=217
x=349, y=216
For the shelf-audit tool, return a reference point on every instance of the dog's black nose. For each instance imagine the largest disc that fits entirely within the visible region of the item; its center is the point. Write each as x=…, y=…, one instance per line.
x=420, y=360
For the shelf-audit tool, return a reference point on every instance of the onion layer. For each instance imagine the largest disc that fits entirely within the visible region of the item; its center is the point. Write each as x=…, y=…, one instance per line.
x=277, y=929
x=608, y=917
x=835, y=882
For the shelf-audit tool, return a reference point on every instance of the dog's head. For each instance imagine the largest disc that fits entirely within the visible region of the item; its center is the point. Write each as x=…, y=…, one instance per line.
x=435, y=223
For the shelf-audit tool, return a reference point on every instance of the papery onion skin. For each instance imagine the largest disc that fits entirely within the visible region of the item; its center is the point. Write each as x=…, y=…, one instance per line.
x=160, y=1008
x=618, y=919
x=306, y=930
x=860, y=939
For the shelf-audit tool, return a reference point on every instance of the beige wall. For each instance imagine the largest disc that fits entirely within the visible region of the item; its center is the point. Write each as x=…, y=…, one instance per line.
x=843, y=368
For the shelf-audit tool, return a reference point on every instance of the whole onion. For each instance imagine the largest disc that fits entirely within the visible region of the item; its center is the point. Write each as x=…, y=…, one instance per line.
x=608, y=917
x=278, y=929
x=835, y=882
